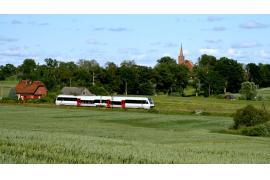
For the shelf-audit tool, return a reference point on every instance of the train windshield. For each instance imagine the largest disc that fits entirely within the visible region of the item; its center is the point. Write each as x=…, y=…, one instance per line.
x=150, y=100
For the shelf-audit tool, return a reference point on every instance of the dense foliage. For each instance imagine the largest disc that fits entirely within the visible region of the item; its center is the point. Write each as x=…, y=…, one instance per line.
x=250, y=116
x=252, y=121
x=210, y=76
x=248, y=90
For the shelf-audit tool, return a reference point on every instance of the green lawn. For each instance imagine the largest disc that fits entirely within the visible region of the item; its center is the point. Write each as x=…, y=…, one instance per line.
x=71, y=135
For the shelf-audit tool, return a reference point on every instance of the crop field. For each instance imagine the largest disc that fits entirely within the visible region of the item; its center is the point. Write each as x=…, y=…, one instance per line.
x=210, y=106
x=5, y=87
x=71, y=135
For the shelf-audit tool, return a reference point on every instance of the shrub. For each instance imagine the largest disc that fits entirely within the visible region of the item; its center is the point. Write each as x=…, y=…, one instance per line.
x=8, y=100
x=258, y=130
x=248, y=90
x=249, y=116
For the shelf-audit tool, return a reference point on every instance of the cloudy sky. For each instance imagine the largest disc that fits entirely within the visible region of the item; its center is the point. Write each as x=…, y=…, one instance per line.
x=143, y=38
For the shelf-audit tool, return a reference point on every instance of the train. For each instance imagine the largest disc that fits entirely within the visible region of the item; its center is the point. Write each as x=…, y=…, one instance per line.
x=105, y=101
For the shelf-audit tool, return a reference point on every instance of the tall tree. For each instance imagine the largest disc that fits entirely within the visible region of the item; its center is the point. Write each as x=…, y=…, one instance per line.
x=232, y=72
x=170, y=76
x=28, y=69
x=265, y=73
x=253, y=73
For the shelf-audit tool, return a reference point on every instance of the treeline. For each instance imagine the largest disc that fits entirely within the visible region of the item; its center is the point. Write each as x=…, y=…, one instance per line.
x=209, y=76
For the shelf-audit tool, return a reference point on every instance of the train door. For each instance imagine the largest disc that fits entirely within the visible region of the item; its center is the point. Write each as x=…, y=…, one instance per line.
x=123, y=104
x=78, y=102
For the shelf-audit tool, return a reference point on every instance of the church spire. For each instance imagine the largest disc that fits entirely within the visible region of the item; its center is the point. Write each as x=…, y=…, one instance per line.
x=181, y=51
x=181, y=57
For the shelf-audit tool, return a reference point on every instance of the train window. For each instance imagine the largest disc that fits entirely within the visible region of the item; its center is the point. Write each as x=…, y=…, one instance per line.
x=145, y=102
x=116, y=102
x=103, y=101
x=59, y=99
x=87, y=102
x=70, y=99
x=66, y=99
x=96, y=101
x=136, y=101
x=151, y=100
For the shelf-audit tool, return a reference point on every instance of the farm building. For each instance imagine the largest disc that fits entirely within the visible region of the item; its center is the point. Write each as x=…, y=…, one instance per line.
x=27, y=89
x=76, y=91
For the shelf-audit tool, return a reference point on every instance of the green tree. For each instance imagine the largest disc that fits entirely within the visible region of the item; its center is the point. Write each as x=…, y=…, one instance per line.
x=232, y=72
x=90, y=66
x=253, y=73
x=28, y=69
x=248, y=90
x=170, y=77
x=265, y=74
x=129, y=77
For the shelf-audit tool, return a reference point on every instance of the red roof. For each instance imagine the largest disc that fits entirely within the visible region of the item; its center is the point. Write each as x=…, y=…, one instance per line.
x=28, y=87
x=189, y=64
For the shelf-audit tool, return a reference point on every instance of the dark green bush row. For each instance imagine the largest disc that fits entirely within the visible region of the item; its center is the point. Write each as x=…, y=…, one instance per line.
x=10, y=100
x=250, y=121
x=249, y=116
x=258, y=130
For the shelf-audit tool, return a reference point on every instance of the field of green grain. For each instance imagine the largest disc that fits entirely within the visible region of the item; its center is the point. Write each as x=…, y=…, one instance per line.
x=6, y=87
x=71, y=135
x=211, y=106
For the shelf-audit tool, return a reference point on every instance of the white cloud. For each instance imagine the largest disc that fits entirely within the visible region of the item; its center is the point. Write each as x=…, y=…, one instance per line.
x=264, y=54
x=210, y=51
x=253, y=25
x=246, y=45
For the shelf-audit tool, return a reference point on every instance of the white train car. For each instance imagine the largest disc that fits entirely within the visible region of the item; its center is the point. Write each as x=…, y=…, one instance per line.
x=67, y=100
x=106, y=101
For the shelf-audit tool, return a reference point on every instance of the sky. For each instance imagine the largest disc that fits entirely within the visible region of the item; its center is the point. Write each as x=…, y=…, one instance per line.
x=142, y=38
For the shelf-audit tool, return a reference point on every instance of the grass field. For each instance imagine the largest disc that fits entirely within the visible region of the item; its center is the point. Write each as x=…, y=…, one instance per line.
x=6, y=86
x=69, y=135
x=212, y=106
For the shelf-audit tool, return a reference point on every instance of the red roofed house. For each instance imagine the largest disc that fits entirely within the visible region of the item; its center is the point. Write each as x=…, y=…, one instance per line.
x=27, y=89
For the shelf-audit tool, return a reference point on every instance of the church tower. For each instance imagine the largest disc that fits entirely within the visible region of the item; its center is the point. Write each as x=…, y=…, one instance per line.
x=181, y=57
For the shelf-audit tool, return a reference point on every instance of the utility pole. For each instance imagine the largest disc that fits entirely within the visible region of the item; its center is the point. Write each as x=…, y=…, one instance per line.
x=93, y=78
x=126, y=87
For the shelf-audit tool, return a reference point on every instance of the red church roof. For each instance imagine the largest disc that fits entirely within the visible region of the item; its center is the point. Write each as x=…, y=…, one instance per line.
x=29, y=87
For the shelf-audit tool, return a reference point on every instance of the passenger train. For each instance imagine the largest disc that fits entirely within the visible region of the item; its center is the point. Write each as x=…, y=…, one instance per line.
x=105, y=101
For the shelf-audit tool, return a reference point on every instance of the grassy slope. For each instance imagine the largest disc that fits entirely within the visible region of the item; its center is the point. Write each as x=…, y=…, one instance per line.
x=56, y=135
x=170, y=104
x=5, y=87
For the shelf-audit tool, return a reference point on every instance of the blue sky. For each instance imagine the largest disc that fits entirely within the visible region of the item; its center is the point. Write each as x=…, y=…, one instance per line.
x=143, y=38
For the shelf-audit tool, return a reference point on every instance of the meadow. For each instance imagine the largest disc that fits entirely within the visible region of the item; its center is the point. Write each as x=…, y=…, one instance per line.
x=72, y=135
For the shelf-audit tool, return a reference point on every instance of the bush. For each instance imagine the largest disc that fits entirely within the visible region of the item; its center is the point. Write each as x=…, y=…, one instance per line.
x=34, y=101
x=248, y=90
x=8, y=100
x=258, y=130
x=249, y=116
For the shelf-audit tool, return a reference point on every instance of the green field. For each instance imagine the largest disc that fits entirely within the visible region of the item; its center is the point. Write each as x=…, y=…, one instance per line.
x=211, y=106
x=6, y=87
x=71, y=135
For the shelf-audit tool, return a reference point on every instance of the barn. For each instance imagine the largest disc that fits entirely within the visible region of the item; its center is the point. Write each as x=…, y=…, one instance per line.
x=76, y=91
x=27, y=89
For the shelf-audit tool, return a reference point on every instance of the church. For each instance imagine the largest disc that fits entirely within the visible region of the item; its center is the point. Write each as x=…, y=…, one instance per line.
x=181, y=60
